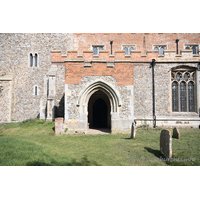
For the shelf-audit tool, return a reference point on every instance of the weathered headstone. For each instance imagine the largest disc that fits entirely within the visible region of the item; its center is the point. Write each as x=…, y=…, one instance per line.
x=133, y=130
x=58, y=125
x=166, y=143
x=176, y=133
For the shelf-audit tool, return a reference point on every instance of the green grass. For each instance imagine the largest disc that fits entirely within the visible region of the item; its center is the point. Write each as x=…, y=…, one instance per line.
x=33, y=143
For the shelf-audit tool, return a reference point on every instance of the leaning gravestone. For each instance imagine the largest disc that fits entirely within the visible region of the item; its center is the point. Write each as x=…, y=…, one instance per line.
x=133, y=130
x=176, y=133
x=166, y=143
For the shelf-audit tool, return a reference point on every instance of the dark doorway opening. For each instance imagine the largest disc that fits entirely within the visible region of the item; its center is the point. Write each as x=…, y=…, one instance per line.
x=99, y=111
x=100, y=114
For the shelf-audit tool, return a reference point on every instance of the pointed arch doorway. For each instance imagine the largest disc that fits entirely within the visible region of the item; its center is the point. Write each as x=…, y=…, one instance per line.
x=99, y=109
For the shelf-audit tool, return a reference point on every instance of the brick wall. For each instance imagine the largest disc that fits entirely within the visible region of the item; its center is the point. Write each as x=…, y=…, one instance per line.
x=84, y=41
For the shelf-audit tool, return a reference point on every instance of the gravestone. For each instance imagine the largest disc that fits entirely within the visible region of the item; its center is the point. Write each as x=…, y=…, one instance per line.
x=133, y=130
x=58, y=125
x=166, y=143
x=176, y=133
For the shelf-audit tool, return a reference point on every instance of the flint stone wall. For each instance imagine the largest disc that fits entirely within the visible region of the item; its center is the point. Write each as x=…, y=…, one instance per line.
x=126, y=111
x=143, y=91
x=14, y=59
x=5, y=101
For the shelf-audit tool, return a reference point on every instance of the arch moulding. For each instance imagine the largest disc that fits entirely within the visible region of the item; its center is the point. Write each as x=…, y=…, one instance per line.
x=93, y=87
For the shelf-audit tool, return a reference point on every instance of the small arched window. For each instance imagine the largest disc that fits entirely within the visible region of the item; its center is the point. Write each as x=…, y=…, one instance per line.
x=36, y=59
x=126, y=50
x=161, y=50
x=31, y=59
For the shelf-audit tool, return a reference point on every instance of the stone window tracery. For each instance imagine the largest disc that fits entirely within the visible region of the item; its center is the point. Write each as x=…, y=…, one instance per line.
x=160, y=48
x=193, y=47
x=183, y=90
x=128, y=48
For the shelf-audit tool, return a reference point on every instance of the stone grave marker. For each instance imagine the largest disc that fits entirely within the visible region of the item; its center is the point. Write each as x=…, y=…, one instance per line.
x=133, y=130
x=176, y=133
x=58, y=125
x=166, y=143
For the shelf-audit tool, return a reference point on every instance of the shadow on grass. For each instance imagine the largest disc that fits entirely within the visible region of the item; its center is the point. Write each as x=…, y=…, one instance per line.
x=83, y=162
x=155, y=152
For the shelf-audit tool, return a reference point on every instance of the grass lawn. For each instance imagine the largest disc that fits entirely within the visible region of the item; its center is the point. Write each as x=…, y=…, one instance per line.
x=33, y=142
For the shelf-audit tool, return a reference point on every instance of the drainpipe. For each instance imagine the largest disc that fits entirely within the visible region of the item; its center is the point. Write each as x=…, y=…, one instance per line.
x=177, y=46
x=153, y=92
x=111, y=42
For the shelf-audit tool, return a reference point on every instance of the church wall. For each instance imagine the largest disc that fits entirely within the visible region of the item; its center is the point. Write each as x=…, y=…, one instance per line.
x=14, y=59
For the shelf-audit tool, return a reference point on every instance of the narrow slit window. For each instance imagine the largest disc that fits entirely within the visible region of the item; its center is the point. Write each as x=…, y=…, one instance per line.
x=31, y=60
x=36, y=59
x=36, y=92
x=191, y=96
x=175, y=97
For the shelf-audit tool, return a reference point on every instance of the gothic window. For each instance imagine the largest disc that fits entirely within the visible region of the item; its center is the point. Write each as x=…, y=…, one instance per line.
x=183, y=90
x=160, y=48
x=193, y=47
x=128, y=49
x=33, y=60
x=97, y=48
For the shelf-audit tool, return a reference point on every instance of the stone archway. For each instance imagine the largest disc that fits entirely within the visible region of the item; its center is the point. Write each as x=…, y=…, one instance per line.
x=99, y=111
x=107, y=93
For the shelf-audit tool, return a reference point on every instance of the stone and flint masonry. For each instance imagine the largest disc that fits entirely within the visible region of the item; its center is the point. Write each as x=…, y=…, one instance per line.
x=101, y=80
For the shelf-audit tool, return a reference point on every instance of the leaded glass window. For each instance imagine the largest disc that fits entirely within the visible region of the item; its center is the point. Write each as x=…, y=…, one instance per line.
x=191, y=96
x=183, y=90
x=183, y=105
x=175, y=96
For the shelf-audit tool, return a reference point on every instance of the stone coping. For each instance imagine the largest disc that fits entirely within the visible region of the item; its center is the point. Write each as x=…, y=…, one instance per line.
x=75, y=60
x=99, y=60
x=71, y=51
x=152, y=51
x=120, y=51
x=56, y=51
x=168, y=51
x=6, y=77
x=135, y=51
x=186, y=50
x=103, y=51
x=88, y=51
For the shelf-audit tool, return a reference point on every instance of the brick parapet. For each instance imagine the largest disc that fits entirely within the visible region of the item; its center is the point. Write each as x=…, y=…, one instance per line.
x=135, y=56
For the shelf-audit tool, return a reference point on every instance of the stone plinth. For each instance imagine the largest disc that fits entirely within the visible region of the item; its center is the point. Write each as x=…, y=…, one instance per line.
x=58, y=125
x=166, y=143
x=176, y=133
